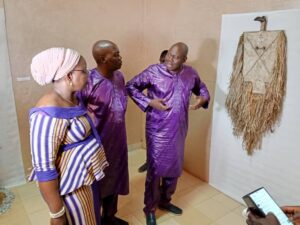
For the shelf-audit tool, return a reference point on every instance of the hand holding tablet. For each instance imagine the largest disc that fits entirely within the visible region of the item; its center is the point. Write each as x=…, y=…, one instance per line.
x=260, y=204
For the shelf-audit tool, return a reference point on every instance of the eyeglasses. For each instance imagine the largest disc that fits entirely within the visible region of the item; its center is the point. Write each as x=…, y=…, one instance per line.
x=83, y=71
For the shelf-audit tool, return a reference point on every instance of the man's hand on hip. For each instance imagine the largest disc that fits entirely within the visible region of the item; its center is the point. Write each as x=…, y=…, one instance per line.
x=158, y=104
x=199, y=102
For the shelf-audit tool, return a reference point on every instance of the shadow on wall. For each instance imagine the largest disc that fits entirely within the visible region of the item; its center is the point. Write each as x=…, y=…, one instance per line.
x=220, y=98
x=207, y=55
x=198, y=140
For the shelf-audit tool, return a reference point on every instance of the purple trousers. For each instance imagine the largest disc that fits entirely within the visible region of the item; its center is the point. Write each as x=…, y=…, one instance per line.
x=158, y=191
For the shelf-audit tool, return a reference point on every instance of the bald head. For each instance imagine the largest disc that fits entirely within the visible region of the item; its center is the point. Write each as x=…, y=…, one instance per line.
x=100, y=49
x=182, y=47
x=176, y=57
x=107, y=56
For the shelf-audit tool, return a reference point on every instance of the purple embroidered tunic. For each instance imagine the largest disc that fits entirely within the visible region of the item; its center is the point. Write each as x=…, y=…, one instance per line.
x=106, y=102
x=166, y=130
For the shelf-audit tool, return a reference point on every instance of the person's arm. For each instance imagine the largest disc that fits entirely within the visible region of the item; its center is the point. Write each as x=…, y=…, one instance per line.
x=202, y=95
x=135, y=88
x=45, y=142
x=137, y=85
x=50, y=193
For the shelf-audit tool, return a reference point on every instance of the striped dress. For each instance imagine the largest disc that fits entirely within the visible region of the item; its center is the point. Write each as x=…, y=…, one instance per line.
x=65, y=146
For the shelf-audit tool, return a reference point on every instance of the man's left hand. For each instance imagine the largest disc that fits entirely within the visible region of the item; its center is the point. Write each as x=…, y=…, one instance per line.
x=200, y=101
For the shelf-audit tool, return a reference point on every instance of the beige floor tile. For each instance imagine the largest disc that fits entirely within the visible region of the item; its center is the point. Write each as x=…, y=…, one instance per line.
x=130, y=203
x=212, y=209
x=39, y=217
x=239, y=209
x=133, y=204
x=180, y=193
x=192, y=216
x=136, y=158
x=140, y=216
x=170, y=221
x=20, y=220
x=28, y=190
x=17, y=198
x=138, y=183
x=226, y=201
x=133, y=172
x=197, y=194
x=124, y=200
x=16, y=215
x=181, y=202
x=16, y=207
x=132, y=220
x=232, y=219
x=161, y=216
x=187, y=180
x=34, y=204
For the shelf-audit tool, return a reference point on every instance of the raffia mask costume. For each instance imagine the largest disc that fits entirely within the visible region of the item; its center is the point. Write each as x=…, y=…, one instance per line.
x=257, y=85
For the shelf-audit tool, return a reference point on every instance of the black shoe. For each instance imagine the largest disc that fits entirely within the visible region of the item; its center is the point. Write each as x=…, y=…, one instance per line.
x=171, y=208
x=150, y=219
x=113, y=221
x=143, y=167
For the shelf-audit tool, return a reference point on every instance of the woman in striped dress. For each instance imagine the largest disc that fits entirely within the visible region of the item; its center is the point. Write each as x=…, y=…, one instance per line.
x=67, y=154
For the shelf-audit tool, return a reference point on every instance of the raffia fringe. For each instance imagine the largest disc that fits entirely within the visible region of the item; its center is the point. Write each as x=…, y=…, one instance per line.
x=255, y=115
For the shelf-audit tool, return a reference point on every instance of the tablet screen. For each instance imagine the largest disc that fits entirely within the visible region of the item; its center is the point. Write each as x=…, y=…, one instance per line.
x=264, y=201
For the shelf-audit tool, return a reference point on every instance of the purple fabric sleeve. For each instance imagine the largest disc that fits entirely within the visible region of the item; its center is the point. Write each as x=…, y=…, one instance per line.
x=46, y=175
x=136, y=86
x=200, y=89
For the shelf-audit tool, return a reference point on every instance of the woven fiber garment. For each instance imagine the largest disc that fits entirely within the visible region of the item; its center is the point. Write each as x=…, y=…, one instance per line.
x=257, y=86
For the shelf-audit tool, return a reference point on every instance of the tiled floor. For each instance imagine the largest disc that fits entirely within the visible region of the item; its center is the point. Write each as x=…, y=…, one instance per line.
x=201, y=203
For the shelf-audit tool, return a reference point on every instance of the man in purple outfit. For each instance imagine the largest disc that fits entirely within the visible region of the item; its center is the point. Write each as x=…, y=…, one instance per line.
x=106, y=100
x=162, y=58
x=169, y=87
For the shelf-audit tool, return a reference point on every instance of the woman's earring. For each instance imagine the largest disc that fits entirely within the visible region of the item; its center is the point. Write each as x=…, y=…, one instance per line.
x=71, y=84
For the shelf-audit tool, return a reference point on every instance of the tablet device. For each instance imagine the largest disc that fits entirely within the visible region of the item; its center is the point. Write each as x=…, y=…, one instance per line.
x=261, y=203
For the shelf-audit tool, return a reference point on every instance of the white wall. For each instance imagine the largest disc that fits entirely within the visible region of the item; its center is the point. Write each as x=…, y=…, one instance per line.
x=11, y=165
x=277, y=165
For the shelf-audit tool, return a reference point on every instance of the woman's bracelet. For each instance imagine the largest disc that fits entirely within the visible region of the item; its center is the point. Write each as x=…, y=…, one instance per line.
x=58, y=214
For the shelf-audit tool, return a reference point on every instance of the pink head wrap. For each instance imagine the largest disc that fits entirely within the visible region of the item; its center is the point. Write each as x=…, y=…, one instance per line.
x=53, y=64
